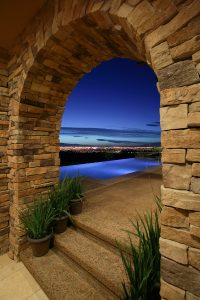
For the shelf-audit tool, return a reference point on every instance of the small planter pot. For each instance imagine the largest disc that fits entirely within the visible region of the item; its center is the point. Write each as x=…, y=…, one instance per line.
x=40, y=246
x=76, y=206
x=61, y=224
x=156, y=290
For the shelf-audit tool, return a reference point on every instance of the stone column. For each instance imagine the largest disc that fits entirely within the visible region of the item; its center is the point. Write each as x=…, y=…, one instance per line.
x=4, y=169
x=180, y=219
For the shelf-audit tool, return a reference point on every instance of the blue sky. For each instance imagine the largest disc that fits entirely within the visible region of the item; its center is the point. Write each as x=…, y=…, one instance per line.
x=117, y=103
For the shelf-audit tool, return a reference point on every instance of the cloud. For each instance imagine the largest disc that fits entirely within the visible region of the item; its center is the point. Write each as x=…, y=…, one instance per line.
x=105, y=132
x=153, y=124
x=122, y=142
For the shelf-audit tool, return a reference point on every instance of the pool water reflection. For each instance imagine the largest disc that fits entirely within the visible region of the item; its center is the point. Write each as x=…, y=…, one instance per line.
x=107, y=169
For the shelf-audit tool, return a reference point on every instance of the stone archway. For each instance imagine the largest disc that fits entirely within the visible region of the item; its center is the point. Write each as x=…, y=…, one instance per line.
x=67, y=39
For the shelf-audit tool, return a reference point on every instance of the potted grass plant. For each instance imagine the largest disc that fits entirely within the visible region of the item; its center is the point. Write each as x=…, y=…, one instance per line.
x=37, y=220
x=75, y=193
x=59, y=200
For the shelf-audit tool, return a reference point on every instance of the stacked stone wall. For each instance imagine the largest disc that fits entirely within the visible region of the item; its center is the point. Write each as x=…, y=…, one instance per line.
x=66, y=40
x=4, y=169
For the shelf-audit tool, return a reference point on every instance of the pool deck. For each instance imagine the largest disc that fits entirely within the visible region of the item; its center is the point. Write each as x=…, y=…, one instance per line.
x=113, y=202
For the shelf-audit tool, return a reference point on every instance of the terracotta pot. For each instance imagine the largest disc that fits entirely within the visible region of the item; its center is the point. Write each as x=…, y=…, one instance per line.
x=60, y=224
x=76, y=206
x=40, y=246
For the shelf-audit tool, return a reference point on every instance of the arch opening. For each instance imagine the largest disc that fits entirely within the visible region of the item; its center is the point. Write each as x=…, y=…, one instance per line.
x=112, y=113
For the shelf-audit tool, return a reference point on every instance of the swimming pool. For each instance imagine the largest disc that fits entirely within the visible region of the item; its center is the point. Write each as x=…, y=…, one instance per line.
x=107, y=169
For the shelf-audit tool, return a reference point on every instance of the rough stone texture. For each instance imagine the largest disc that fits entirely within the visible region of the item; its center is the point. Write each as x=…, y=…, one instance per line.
x=180, y=199
x=194, y=119
x=66, y=40
x=178, y=74
x=180, y=235
x=194, y=257
x=185, y=49
x=181, y=173
x=190, y=296
x=174, y=217
x=169, y=291
x=195, y=185
x=194, y=218
x=186, y=94
x=181, y=276
x=4, y=169
x=196, y=169
x=195, y=231
x=184, y=35
x=198, y=67
x=194, y=107
x=174, y=117
x=174, y=251
x=188, y=138
x=193, y=155
x=196, y=56
x=163, y=32
x=173, y=156
x=160, y=56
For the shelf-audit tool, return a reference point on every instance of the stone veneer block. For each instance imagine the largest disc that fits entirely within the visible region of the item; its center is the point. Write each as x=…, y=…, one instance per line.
x=194, y=107
x=177, y=177
x=140, y=14
x=179, y=95
x=190, y=296
x=194, y=218
x=195, y=231
x=160, y=56
x=178, y=74
x=180, y=199
x=187, y=13
x=194, y=119
x=173, y=155
x=195, y=185
x=174, y=217
x=174, y=251
x=196, y=169
x=198, y=67
x=194, y=257
x=188, y=138
x=169, y=291
x=187, y=48
x=193, y=155
x=179, y=235
x=192, y=29
x=196, y=56
x=181, y=276
x=174, y=117
x=124, y=10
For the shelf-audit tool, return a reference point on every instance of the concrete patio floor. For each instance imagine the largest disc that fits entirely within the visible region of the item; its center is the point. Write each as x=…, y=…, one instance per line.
x=110, y=204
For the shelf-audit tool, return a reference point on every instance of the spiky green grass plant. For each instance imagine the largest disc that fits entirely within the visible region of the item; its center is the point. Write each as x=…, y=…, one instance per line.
x=37, y=218
x=75, y=188
x=59, y=198
x=142, y=264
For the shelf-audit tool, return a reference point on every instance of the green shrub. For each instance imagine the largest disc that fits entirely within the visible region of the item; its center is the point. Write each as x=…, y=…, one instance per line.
x=37, y=218
x=142, y=264
x=59, y=198
x=75, y=190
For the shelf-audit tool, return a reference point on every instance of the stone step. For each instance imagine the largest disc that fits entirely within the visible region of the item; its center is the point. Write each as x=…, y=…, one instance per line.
x=109, y=240
x=93, y=256
x=61, y=278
